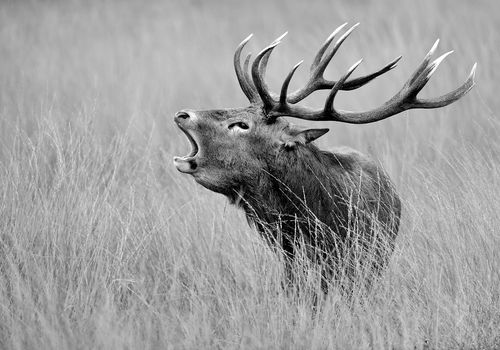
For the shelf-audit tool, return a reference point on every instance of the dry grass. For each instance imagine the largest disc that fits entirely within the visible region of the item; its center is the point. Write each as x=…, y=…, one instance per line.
x=104, y=245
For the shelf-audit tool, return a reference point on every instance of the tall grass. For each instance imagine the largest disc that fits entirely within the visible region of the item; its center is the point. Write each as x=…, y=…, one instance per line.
x=104, y=245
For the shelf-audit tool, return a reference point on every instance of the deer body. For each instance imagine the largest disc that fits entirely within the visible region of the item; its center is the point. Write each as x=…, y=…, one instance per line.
x=321, y=198
x=292, y=191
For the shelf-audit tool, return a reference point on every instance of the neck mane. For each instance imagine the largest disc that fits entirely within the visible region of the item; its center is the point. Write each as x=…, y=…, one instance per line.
x=298, y=190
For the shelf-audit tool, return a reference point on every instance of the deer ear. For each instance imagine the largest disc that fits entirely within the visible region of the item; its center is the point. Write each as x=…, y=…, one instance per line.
x=310, y=135
x=304, y=137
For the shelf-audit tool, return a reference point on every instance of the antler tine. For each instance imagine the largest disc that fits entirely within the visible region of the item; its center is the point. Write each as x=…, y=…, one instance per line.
x=424, y=64
x=265, y=58
x=323, y=64
x=323, y=48
x=359, y=82
x=284, y=87
x=242, y=75
x=263, y=65
x=405, y=99
x=258, y=76
x=419, y=81
x=328, y=109
x=278, y=39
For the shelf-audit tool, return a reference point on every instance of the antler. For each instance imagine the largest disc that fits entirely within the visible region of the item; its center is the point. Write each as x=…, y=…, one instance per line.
x=405, y=99
x=316, y=80
x=242, y=74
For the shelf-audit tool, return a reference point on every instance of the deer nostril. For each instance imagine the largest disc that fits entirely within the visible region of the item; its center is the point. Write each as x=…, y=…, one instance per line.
x=181, y=115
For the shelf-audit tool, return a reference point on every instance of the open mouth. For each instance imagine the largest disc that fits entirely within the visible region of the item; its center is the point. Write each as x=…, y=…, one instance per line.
x=187, y=163
x=194, y=145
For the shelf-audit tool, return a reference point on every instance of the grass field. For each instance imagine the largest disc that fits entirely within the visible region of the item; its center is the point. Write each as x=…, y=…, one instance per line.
x=103, y=244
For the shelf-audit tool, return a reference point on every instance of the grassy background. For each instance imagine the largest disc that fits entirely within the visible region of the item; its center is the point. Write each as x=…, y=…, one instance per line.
x=103, y=244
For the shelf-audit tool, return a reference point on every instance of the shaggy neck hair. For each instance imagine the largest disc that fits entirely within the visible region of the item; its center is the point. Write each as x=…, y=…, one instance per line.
x=319, y=196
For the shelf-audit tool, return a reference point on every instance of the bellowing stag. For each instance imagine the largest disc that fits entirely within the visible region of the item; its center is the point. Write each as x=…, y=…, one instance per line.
x=333, y=203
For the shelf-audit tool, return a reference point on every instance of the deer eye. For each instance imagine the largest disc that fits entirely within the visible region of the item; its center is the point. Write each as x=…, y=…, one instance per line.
x=240, y=125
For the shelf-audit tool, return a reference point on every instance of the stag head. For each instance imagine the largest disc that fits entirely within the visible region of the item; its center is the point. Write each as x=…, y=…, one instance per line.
x=232, y=147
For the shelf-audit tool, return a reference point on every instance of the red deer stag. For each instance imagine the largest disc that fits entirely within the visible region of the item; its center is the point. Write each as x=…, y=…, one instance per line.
x=293, y=192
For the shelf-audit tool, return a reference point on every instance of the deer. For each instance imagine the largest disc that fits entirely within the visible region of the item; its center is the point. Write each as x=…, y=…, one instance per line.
x=340, y=205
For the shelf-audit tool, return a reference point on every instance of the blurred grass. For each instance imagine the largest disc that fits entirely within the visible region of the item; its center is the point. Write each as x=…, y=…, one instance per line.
x=104, y=245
